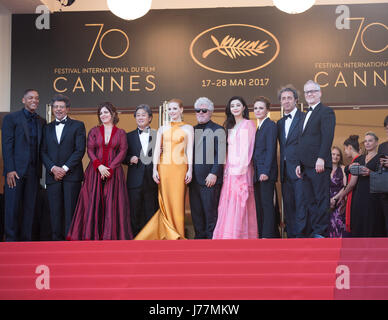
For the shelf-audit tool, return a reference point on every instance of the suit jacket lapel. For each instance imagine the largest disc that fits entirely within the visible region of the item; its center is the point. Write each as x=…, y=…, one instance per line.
x=52, y=133
x=312, y=116
x=23, y=121
x=151, y=142
x=282, y=135
x=293, y=124
x=137, y=141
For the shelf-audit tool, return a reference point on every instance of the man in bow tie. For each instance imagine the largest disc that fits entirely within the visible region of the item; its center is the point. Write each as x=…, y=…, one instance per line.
x=21, y=140
x=314, y=157
x=63, y=148
x=288, y=134
x=142, y=189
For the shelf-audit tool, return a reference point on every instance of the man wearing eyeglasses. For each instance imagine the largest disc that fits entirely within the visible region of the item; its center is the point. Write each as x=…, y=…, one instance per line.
x=314, y=157
x=209, y=156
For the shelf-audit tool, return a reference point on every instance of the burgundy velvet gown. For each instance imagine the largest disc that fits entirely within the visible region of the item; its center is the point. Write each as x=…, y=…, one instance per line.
x=102, y=211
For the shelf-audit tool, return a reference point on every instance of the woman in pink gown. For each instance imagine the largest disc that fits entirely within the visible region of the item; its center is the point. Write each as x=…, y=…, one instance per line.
x=102, y=211
x=237, y=210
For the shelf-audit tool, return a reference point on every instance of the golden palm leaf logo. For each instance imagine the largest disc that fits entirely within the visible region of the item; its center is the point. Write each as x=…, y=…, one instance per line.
x=233, y=48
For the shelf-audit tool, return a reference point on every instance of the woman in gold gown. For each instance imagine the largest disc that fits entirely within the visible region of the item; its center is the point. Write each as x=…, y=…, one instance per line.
x=173, y=158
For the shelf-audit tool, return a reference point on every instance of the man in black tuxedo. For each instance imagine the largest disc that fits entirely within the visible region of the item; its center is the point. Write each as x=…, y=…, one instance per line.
x=266, y=169
x=209, y=157
x=314, y=157
x=142, y=189
x=289, y=128
x=21, y=140
x=63, y=148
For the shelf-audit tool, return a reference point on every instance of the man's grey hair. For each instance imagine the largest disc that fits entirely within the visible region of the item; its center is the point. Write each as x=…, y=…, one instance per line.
x=204, y=100
x=314, y=83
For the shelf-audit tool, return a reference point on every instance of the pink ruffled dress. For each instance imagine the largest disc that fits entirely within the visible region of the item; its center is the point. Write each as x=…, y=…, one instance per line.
x=237, y=209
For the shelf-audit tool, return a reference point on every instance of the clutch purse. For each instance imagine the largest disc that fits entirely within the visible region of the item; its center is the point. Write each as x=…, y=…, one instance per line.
x=356, y=170
x=379, y=181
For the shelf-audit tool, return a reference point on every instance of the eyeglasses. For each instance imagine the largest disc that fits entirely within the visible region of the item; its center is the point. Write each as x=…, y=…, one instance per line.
x=203, y=110
x=311, y=91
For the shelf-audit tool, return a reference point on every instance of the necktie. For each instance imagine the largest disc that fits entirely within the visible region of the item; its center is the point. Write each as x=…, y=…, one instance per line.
x=287, y=116
x=60, y=122
x=310, y=109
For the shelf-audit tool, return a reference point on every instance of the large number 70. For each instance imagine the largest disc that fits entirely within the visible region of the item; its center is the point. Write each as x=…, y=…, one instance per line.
x=102, y=37
x=362, y=35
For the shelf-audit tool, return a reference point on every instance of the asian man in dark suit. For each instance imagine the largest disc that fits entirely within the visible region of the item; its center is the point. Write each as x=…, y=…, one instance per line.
x=314, y=157
x=266, y=169
x=209, y=157
x=289, y=128
x=63, y=147
x=21, y=141
x=142, y=189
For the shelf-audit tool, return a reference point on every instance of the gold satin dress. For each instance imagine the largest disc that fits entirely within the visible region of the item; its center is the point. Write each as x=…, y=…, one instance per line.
x=168, y=222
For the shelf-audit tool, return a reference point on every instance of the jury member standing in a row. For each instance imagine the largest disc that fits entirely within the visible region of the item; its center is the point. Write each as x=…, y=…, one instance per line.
x=314, y=157
x=289, y=127
x=172, y=171
x=266, y=169
x=63, y=147
x=142, y=189
x=21, y=141
x=102, y=211
x=209, y=156
x=236, y=209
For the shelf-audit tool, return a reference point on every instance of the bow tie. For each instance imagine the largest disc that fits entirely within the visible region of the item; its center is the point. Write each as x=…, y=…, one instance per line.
x=287, y=116
x=60, y=122
x=145, y=130
x=310, y=109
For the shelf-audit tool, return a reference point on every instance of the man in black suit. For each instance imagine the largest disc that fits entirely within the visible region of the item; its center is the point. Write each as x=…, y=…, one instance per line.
x=21, y=140
x=314, y=157
x=266, y=169
x=142, y=189
x=63, y=148
x=209, y=157
x=289, y=128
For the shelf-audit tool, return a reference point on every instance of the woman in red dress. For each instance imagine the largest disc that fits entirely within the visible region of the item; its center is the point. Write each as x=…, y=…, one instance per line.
x=102, y=211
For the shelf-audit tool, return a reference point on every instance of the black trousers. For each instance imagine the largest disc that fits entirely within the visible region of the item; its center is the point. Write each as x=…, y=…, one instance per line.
x=19, y=206
x=204, y=208
x=62, y=198
x=143, y=203
x=293, y=207
x=265, y=209
x=316, y=191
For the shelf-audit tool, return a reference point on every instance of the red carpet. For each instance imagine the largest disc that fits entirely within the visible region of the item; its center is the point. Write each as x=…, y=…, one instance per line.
x=195, y=269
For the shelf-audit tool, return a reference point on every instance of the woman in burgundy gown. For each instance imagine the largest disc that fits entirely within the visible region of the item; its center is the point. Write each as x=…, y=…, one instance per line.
x=102, y=211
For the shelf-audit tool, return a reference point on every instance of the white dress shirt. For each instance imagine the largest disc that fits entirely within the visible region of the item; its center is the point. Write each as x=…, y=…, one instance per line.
x=308, y=115
x=287, y=123
x=58, y=132
x=144, y=139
